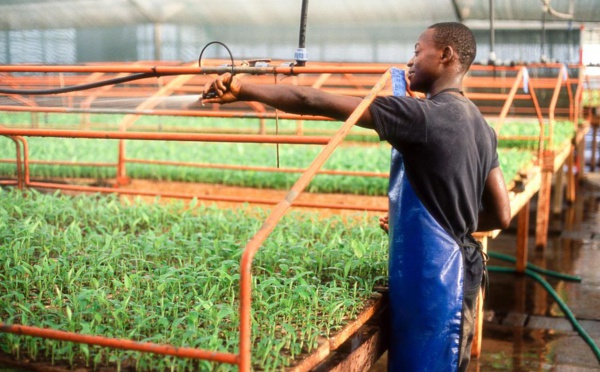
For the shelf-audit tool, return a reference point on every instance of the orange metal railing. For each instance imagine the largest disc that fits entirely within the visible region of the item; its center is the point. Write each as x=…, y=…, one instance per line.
x=496, y=89
x=502, y=86
x=243, y=358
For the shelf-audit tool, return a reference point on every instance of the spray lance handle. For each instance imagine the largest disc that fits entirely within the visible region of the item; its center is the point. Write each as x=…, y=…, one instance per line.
x=208, y=95
x=211, y=93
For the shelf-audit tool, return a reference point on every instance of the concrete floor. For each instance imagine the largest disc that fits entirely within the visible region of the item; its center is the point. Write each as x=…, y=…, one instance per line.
x=524, y=329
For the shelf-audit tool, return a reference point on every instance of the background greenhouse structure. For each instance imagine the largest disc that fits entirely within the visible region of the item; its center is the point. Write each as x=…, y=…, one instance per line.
x=72, y=31
x=143, y=230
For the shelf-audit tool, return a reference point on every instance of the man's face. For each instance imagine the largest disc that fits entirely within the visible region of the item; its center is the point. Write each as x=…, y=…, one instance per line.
x=425, y=65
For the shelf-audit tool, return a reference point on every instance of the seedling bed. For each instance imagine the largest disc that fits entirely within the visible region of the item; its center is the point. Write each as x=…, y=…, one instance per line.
x=96, y=159
x=169, y=274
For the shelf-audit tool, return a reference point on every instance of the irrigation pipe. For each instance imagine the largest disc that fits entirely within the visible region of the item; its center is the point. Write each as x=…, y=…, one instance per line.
x=563, y=306
x=532, y=267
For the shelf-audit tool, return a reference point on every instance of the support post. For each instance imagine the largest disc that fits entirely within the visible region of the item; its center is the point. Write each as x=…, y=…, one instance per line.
x=571, y=177
x=580, y=146
x=522, y=237
x=543, y=206
x=559, y=185
x=478, y=333
x=594, y=147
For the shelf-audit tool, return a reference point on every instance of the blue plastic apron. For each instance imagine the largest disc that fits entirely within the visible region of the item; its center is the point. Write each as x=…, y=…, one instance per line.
x=425, y=281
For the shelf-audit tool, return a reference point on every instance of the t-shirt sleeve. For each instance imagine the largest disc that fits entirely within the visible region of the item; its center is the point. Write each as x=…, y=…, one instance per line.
x=399, y=119
x=495, y=160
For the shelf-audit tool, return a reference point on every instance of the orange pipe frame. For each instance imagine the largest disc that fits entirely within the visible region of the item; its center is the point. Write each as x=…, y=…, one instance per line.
x=179, y=70
x=18, y=162
x=162, y=112
x=510, y=99
x=243, y=359
x=193, y=137
x=220, y=198
x=115, y=343
x=276, y=215
x=257, y=168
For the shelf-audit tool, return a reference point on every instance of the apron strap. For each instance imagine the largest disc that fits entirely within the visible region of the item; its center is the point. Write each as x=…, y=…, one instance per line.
x=485, y=283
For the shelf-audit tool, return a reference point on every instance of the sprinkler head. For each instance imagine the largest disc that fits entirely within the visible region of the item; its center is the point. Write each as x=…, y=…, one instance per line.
x=301, y=56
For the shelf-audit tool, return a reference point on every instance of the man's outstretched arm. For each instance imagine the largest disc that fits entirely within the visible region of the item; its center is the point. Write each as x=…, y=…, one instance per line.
x=289, y=98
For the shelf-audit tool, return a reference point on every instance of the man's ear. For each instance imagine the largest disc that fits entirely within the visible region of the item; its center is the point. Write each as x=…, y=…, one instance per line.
x=447, y=54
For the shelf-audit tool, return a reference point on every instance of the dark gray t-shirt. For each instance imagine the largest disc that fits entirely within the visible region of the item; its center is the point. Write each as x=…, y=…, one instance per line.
x=448, y=150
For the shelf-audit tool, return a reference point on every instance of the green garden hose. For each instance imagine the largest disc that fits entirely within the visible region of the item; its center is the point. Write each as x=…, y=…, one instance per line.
x=532, y=267
x=565, y=309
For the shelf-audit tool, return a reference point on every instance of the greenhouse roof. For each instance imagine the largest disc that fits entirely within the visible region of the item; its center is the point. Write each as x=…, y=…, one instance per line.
x=59, y=14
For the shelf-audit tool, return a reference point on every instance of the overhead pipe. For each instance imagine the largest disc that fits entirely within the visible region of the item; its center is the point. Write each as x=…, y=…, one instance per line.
x=548, y=9
x=139, y=73
x=492, y=56
x=543, y=57
x=301, y=54
x=196, y=70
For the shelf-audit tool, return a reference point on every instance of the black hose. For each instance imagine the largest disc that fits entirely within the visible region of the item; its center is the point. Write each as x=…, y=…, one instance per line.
x=73, y=88
x=120, y=80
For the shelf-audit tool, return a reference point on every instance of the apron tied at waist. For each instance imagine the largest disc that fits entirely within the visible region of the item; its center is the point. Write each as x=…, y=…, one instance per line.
x=473, y=243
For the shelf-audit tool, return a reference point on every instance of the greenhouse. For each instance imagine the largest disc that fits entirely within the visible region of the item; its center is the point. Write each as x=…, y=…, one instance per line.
x=294, y=186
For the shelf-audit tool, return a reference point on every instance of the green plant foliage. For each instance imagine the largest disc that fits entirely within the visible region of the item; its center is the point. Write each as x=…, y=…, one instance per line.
x=590, y=98
x=563, y=132
x=513, y=160
x=374, y=157
x=170, y=274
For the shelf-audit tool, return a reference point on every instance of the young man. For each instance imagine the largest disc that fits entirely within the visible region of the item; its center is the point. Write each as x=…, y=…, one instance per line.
x=445, y=183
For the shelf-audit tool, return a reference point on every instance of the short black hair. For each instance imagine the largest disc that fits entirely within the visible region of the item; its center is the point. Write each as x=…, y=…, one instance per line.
x=459, y=37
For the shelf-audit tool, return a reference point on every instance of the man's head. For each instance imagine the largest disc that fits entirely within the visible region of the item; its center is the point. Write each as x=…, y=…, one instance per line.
x=459, y=37
x=443, y=54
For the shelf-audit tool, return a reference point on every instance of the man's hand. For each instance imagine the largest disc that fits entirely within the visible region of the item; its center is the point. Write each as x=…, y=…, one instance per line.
x=226, y=88
x=384, y=224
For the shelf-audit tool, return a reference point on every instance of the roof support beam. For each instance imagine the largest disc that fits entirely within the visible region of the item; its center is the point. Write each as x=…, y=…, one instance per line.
x=457, y=11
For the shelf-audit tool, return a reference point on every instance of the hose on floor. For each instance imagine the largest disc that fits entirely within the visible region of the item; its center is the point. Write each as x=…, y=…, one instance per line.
x=537, y=269
x=563, y=306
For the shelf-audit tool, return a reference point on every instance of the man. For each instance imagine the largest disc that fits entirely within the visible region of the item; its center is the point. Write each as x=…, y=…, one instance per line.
x=445, y=183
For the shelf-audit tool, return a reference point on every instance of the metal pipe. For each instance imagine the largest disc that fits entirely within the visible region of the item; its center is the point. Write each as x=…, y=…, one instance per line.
x=540, y=117
x=301, y=55
x=18, y=162
x=258, y=169
x=276, y=215
x=195, y=70
x=553, y=102
x=163, y=112
x=510, y=99
x=68, y=163
x=116, y=343
x=237, y=138
x=492, y=56
x=216, y=198
x=543, y=56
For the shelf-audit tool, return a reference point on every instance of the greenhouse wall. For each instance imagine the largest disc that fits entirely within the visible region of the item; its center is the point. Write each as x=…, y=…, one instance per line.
x=381, y=43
